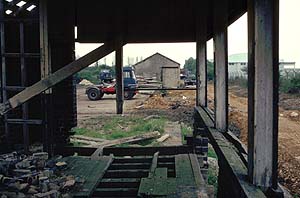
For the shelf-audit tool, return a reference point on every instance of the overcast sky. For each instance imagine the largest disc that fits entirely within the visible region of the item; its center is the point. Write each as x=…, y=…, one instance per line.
x=237, y=40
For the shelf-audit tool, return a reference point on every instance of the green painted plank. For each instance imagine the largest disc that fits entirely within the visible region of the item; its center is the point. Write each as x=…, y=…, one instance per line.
x=184, y=171
x=161, y=173
x=89, y=170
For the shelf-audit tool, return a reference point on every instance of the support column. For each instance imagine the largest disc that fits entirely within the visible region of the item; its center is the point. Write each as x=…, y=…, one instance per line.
x=45, y=72
x=221, y=64
x=201, y=56
x=119, y=80
x=263, y=66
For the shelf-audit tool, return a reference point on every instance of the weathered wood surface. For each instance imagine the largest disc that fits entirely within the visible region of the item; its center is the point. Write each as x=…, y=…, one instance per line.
x=132, y=139
x=119, y=80
x=201, y=55
x=187, y=183
x=59, y=76
x=221, y=64
x=264, y=63
x=91, y=171
x=229, y=159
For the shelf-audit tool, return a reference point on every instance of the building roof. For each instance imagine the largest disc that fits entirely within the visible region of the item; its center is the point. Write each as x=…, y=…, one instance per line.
x=157, y=54
x=238, y=58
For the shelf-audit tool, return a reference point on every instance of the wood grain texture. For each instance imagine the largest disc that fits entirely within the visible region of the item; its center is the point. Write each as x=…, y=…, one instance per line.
x=221, y=65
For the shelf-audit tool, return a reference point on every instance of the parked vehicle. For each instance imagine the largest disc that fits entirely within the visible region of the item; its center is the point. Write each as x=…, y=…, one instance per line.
x=96, y=92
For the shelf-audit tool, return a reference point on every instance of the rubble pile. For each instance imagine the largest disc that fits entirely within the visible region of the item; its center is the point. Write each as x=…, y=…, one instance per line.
x=170, y=100
x=35, y=176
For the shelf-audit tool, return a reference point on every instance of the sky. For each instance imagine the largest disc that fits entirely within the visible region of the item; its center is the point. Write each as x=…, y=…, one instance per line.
x=289, y=41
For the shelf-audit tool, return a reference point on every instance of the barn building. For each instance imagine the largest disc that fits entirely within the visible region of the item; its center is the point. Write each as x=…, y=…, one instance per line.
x=161, y=68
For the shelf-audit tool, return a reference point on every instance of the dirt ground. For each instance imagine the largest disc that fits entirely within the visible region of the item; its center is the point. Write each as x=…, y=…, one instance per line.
x=289, y=133
x=87, y=109
x=289, y=126
x=176, y=106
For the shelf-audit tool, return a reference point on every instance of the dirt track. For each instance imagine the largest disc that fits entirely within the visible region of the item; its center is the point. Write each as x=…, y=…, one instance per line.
x=289, y=136
x=107, y=105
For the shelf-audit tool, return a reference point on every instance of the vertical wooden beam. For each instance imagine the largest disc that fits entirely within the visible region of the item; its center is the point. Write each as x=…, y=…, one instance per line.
x=251, y=81
x=45, y=72
x=24, y=84
x=221, y=64
x=201, y=56
x=119, y=80
x=264, y=146
x=3, y=68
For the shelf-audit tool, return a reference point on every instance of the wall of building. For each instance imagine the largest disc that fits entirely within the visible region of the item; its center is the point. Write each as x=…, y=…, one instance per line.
x=170, y=77
x=152, y=67
x=237, y=70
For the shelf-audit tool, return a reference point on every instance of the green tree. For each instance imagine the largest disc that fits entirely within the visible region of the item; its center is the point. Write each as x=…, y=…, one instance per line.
x=190, y=65
x=92, y=73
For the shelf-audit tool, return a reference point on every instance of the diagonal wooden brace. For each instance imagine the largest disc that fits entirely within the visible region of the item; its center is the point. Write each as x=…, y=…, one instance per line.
x=59, y=76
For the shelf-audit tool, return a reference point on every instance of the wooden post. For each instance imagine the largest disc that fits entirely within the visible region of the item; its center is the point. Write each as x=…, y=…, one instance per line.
x=264, y=63
x=57, y=77
x=45, y=72
x=221, y=64
x=119, y=80
x=251, y=80
x=201, y=56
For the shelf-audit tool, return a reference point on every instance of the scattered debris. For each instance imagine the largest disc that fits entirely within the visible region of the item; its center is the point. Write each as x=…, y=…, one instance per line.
x=151, y=117
x=35, y=176
x=163, y=138
x=85, y=82
x=294, y=114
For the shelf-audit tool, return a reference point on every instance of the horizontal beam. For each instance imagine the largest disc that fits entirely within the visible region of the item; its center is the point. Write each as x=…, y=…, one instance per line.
x=228, y=157
x=58, y=76
x=165, y=89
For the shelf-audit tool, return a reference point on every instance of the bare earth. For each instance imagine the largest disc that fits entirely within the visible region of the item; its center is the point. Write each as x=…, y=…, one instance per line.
x=289, y=134
x=177, y=106
x=107, y=105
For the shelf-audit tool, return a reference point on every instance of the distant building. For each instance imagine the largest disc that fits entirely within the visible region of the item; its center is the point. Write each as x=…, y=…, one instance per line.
x=161, y=68
x=238, y=65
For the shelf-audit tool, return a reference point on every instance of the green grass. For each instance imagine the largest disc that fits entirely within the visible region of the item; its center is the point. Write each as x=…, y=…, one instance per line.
x=211, y=153
x=213, y=179
x=185, y=130
x=116, y=127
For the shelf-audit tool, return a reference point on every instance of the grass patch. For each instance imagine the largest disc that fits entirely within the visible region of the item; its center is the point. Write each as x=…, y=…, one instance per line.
x=213, y=179
x=116, y=127
x=185, y=130
x=211, y=153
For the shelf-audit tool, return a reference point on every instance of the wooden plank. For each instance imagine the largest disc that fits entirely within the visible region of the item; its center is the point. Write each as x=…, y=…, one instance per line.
x=58, y=76
x=146, y=151
x=201, y=55
x=229, y=159
x=184, y=172
x=221, y=64
x=154, y=164
x=264, y=148
x=119, y=80
x=200, y=183
x=132, y=139
x=89, y=170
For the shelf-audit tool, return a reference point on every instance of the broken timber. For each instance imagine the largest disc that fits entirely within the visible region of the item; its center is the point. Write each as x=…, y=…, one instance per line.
x=133, y=139
x=58, y=76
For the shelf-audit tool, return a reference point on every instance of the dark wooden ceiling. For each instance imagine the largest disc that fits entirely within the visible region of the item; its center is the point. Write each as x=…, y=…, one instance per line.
x=139, y=21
